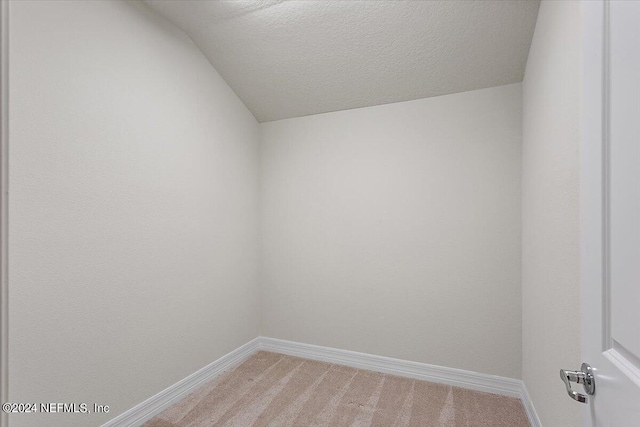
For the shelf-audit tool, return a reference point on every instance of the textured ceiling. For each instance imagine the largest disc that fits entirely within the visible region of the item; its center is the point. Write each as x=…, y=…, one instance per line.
x=295, y=58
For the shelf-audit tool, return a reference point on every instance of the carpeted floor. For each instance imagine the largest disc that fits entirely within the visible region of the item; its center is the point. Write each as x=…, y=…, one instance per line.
x=271, y=389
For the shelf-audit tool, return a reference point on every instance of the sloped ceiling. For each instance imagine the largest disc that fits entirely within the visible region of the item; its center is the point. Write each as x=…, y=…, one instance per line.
x=295, y=58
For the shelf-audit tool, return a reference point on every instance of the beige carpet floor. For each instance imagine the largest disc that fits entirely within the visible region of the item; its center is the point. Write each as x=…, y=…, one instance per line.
x=271, y=389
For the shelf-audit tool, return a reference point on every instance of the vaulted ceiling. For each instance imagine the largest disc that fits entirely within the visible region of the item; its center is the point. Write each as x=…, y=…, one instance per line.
x=295, y=58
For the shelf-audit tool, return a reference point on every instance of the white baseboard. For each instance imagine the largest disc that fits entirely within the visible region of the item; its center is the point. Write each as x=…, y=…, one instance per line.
x=146, y=410
x=534, y=420
x=421, y=371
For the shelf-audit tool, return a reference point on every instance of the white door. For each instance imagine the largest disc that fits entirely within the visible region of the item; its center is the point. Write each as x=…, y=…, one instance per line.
x=610, y=209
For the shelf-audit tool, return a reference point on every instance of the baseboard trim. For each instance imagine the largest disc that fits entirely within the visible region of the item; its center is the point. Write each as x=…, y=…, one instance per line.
x=422, y=371
x=146, y=410
x=534, y=420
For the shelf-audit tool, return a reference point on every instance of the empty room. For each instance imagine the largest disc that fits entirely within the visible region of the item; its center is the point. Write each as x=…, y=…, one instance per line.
x=329, y=213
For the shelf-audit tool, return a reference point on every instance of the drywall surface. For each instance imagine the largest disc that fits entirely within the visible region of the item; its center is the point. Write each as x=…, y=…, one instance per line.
x=133, y=199
x=550, y=212
x=395, y=230
x=294, y=58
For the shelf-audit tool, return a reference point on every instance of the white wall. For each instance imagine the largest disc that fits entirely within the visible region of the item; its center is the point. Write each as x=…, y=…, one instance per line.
x=133, y=199
x=395, y=230
x=550, y=212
